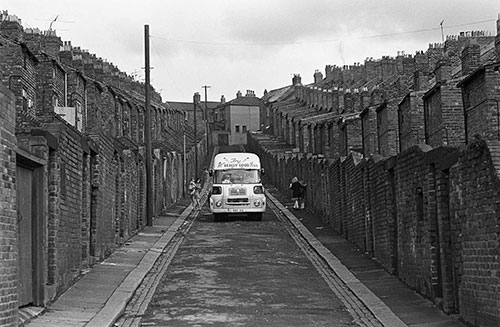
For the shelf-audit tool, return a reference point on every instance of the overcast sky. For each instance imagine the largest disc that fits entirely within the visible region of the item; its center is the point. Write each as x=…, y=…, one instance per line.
x=234, y=45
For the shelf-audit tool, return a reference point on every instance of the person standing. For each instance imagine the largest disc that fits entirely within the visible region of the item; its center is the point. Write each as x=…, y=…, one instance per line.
x=198, y=192
x=296, y=188
x=194, y=192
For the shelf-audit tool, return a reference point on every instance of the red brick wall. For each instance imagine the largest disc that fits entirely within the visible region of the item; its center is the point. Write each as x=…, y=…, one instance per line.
x=8, y=214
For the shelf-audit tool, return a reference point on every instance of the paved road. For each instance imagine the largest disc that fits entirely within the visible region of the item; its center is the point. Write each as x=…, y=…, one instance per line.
x=241, y=272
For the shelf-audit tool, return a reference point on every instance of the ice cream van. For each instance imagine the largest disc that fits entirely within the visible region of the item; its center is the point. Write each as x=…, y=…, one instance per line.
x=237, y=186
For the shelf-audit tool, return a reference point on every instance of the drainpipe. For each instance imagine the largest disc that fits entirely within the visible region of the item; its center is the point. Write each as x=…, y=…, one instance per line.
x=65, y=89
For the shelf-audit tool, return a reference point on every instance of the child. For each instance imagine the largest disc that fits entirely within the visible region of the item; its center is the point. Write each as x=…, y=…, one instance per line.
x=194, y=192
x=296, y=187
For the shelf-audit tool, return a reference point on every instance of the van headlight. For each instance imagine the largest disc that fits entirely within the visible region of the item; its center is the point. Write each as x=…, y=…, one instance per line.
x=218, y=203
x=257, y=203
x=258, y=189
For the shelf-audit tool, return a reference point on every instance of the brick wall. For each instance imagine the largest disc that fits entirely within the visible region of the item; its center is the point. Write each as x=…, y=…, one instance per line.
x=17, y=71
x=474, y=205
x=8, y=214
x=481, y=98
x=443, y=114
x=355, y=206
x=354, y=135
x=66, y=217
x=453, y=115
x=413, y=237
x=426, y=217
x=89, y=187
x=387, y=128
x=411, y=121
x=381, y=209
x=369, y=131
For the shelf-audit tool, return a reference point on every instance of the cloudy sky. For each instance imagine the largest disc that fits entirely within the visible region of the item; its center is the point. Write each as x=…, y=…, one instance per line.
x=234, y=45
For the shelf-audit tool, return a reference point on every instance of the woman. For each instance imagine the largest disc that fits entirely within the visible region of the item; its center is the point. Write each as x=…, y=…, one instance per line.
x=296, y=188
x=194, y=192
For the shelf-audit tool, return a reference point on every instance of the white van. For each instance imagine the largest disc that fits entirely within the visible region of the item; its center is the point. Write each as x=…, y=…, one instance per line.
x=237, y=186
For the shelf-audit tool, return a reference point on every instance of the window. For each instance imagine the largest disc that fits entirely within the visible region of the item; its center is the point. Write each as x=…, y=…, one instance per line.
x=244, y=127
x=237, y=128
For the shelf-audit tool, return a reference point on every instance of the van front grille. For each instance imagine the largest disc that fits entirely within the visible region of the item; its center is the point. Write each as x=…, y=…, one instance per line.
x=237, y=201
x=237, y=191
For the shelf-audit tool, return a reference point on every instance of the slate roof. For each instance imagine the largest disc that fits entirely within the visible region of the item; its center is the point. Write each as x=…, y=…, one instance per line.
x=245, y=101
x=188, y=106
x=322, y=118
x=278, y=94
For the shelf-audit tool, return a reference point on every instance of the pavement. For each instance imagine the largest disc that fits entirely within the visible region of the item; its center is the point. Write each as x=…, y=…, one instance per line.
x=100, y=296
x=379, y=290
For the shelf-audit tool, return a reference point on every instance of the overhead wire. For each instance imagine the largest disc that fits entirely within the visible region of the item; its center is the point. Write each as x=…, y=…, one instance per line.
x=320, y=41
x=164, y=65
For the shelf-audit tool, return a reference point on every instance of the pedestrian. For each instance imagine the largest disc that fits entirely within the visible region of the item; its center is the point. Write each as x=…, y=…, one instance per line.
x=296, y=192
x=194, y=192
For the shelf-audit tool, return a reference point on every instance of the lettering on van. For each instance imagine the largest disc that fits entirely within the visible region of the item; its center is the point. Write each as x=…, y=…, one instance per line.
x=232, y=163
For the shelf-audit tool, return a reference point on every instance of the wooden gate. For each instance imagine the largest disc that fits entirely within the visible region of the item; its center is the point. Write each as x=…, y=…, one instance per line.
x=25, y=234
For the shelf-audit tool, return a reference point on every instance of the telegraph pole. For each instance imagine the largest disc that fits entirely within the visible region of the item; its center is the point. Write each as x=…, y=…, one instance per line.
x=184, y=167
x=147, y=135
x=195, y=104
x=206, y=117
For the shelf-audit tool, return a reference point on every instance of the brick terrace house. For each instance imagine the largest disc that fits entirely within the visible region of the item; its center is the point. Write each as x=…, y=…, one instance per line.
x=73, y=162
x=402, y=156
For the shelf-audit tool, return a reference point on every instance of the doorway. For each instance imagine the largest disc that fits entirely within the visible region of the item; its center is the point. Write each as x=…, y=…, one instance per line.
x=24, y=177
x=31, y=230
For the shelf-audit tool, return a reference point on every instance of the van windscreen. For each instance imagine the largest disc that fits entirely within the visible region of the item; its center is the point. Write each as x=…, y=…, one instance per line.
x=237, y=176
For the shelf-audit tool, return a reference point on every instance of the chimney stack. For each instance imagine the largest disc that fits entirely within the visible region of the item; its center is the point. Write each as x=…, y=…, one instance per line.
x=442, y=71
x=296, y=80
x=10, y=25
x=318, y=76
x=471, y=57
x=222, y=99
x=197, y=98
